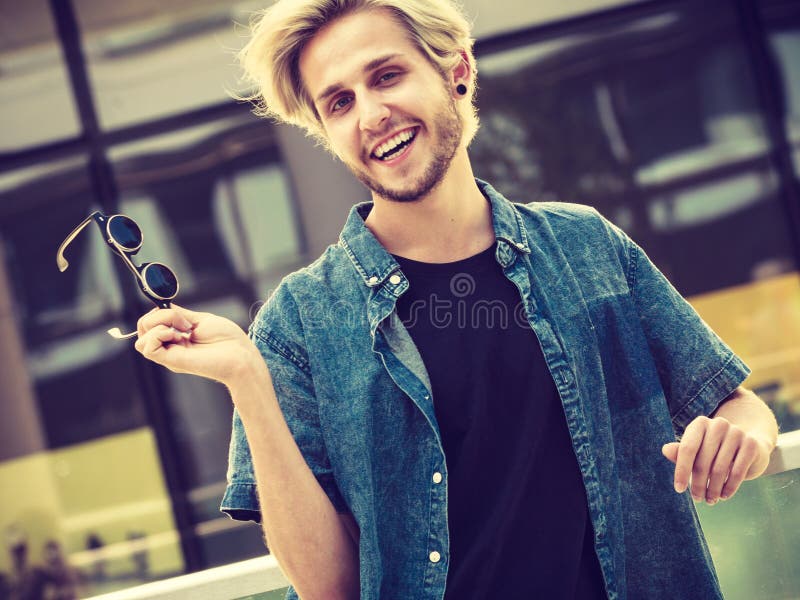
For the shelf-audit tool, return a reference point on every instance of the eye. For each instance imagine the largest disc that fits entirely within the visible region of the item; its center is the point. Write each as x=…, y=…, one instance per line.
x=340, y=103
x=388, y=76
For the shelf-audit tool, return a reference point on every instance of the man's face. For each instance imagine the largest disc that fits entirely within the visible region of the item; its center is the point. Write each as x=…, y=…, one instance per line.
x=387, y=112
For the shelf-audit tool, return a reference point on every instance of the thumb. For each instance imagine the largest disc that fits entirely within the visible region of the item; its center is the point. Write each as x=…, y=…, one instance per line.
x=670, y=451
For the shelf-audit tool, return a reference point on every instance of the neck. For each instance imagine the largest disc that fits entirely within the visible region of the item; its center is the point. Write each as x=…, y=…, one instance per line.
x=453, y=221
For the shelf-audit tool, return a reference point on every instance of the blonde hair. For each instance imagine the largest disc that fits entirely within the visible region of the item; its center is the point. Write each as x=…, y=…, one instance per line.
x=279, y=34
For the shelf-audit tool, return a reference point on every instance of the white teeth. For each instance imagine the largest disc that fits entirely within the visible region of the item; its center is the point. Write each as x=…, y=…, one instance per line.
x=393, y=142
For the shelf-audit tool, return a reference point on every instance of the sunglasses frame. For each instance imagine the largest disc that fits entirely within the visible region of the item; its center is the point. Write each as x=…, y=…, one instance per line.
x=139, y=271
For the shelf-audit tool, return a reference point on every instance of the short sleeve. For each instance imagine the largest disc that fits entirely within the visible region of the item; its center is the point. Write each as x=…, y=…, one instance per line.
x=696, y=368
x=293, y=384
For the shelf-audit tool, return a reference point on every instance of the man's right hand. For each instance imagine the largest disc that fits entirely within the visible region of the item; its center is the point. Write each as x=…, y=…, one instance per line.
x=197, y=343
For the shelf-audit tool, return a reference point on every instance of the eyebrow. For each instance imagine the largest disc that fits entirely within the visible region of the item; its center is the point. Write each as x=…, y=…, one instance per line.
x=370, y=66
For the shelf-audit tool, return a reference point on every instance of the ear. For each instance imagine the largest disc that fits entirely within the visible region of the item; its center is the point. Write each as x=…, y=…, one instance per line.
x=462, y=73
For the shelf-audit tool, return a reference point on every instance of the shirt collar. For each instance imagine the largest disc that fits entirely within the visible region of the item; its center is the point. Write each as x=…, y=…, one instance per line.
x=374, y=264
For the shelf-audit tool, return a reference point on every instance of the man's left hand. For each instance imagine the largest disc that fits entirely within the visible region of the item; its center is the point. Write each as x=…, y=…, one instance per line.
x=718, y=456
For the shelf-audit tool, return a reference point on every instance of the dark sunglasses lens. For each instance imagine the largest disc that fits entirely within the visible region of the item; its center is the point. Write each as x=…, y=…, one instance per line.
x=161, y=280
x=125, y=232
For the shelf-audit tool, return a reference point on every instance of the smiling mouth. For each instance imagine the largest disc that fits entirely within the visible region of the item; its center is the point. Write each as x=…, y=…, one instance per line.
x=394, y=145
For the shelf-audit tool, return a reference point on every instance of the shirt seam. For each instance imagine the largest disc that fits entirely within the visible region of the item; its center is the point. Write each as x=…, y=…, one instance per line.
x=283, y=350
x=633, y=262
x=703, y=387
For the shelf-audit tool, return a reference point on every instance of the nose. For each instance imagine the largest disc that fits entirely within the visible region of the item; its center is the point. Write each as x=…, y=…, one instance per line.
x=373, y=112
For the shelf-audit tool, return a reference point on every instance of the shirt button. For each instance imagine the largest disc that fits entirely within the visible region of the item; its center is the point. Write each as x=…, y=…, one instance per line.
x=437, y=477
x=394, y=279
x=435, y=557
x=373, y=280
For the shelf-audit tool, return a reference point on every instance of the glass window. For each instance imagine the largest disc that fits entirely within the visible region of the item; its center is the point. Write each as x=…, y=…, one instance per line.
x=35, y=92
x=152, y=59
x=765, y=537
x=782, y=19
x=39, y=207
x=80, y=473
x=214, y=203
x=655, y=122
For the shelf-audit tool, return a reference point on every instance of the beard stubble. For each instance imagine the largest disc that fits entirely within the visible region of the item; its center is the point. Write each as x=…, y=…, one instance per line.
x=447, y=128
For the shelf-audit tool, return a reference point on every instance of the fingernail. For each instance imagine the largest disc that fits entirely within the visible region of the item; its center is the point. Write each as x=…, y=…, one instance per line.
x=696, y=498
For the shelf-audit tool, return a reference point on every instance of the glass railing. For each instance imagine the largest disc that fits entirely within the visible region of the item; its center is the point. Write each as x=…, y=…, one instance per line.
x=754, y=539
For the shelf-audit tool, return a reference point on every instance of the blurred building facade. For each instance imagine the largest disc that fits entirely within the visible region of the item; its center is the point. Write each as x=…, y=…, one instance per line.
x=678, y=120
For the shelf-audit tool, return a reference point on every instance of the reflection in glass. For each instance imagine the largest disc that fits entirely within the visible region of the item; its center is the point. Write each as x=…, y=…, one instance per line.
x=215, y=204
x=37, y=207
x=785, y=44
x=782, y=21
x=254, y=202
x=76, y=452
x=754, y=538
x=655, y=122
x=35, y=93
x=152, y=59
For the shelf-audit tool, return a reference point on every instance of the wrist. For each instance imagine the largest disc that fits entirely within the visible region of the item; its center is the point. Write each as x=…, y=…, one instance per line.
x=249, y=373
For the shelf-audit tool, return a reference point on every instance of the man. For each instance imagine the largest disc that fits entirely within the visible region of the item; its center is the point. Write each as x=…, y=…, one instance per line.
x=462, y=398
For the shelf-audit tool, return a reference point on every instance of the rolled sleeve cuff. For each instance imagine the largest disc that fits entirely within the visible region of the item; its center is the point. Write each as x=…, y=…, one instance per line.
x=240, y=502
x=730, y=376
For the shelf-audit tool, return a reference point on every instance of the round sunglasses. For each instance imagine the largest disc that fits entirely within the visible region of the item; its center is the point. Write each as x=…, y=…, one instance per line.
x=122, y=234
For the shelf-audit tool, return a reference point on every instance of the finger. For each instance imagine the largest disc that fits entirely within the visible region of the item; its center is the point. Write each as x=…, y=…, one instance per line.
x=156, y=340
x=191, y=315
x=140, y=331
x=723, y=463
x=748, y=450
x=670, y=451
x=687, y=450
x=175, y=316
x=716, y=429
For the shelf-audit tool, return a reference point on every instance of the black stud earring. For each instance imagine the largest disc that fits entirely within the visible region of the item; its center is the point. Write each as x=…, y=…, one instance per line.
x=461, y=89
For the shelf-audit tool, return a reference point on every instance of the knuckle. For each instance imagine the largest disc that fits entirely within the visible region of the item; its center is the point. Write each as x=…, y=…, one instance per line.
x=720, y=425
x=720, y=469
x=737, y=473
x=737, y=433
x=689, y=447
x=699, y=423
x=749, y=445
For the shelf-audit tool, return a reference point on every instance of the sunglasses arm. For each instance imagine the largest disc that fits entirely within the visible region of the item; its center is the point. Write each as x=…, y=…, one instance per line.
x=60, y=260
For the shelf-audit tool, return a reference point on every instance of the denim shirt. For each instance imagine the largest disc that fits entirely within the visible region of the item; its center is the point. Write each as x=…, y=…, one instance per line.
x=632, y=361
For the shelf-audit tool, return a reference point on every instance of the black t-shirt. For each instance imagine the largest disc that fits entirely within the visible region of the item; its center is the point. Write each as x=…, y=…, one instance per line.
x=517, y=510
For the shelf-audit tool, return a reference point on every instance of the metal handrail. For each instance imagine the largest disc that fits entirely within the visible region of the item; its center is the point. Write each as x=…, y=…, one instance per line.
x=786, y=456
x=262, y=574
x=237, y=580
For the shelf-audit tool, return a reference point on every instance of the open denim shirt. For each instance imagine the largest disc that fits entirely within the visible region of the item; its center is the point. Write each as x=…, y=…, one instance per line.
x=633, y=363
